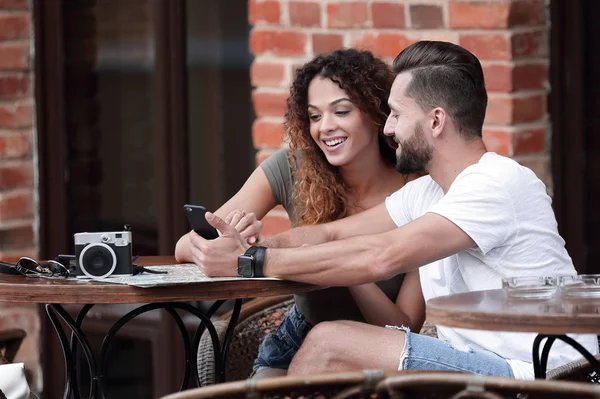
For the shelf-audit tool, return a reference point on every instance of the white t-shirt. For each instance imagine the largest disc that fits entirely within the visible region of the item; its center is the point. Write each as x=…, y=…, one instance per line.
x=504, y=208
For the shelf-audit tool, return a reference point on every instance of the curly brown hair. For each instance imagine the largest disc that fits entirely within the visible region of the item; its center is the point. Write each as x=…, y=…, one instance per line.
x=319, y=193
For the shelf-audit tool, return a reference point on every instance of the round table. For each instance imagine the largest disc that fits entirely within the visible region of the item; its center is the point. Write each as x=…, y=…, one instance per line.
x=56, y=291
x=551, y=318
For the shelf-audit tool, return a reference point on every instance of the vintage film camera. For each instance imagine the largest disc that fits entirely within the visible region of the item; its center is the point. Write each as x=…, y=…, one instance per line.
x=99, y=255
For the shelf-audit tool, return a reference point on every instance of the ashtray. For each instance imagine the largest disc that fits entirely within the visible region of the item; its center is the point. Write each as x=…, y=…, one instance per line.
x=529, y=287
x=583, y=285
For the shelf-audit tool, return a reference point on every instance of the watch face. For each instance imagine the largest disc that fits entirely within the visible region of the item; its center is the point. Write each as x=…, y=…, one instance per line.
x=245, y=266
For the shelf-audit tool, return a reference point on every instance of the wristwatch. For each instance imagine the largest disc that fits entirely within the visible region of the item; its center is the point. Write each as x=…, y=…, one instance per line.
x=250, y=264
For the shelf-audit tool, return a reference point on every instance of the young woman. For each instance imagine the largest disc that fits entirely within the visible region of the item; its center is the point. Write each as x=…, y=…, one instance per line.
x=338, y=163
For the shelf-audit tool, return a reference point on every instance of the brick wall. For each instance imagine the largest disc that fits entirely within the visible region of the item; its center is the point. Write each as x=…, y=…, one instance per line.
x=508, y=36
x=17, y=196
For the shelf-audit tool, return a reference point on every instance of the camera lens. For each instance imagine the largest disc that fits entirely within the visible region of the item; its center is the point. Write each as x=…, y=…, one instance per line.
x=97, y=260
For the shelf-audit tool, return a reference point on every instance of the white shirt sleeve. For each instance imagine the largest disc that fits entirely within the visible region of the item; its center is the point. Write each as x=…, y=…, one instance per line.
x=412, y=200
x=482, y=207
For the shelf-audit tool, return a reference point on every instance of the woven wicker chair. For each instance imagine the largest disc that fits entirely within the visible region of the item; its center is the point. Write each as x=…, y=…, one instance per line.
x=577, y=370
x=335, y=385
x=257, y=318
x=436, y=385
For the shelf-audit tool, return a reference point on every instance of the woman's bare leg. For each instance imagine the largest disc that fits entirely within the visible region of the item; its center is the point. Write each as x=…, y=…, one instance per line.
x=346, y=345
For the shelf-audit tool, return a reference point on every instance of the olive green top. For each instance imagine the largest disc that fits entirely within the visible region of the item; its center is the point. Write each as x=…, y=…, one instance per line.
x=331, y=303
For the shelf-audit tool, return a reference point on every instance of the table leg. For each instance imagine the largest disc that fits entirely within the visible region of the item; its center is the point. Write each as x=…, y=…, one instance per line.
x=540, y=363
x=97, y=377
x=71, y=380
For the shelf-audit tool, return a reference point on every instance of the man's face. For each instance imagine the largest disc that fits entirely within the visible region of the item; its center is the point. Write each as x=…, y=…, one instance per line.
x=405, y=124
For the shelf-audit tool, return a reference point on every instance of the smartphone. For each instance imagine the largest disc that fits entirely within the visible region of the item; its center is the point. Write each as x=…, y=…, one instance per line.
x=195, y=215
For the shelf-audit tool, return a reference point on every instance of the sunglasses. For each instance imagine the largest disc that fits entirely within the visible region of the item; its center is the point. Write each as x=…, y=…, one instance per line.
x=29, y=267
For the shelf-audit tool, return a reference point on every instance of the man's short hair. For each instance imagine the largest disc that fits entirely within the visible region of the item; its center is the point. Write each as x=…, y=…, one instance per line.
x=448, y=76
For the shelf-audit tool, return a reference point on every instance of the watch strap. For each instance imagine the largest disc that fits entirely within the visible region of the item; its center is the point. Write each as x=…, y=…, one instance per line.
x=259, y=260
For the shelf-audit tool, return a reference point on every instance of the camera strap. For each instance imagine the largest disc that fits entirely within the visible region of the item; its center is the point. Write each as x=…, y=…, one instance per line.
x=140, y=269
x=8, y=268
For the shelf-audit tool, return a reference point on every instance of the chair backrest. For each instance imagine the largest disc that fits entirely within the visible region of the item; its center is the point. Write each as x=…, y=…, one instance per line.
x=10, y=342
x=339, y=386
x=257, y=318
x=578, y=370
x=459, y=385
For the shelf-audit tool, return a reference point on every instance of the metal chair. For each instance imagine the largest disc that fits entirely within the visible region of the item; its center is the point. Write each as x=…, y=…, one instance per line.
x=577, y=370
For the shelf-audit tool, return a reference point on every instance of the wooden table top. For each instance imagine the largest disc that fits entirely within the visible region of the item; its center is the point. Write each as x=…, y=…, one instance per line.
x=494, y=310
x=43, y=290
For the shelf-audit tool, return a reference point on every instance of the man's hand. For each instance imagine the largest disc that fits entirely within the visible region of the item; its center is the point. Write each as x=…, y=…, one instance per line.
x=218, y=257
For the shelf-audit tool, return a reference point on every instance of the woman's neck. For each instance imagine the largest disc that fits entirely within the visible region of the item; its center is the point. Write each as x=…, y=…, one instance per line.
x=369, y=181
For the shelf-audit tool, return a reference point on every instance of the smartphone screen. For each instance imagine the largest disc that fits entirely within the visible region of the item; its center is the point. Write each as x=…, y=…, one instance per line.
x=196, y=217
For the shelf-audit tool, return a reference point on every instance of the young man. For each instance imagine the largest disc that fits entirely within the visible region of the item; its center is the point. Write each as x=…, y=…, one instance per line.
x=476, y=218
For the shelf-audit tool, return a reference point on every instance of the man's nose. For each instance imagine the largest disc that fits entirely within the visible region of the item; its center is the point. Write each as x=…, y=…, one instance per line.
x=389, y=127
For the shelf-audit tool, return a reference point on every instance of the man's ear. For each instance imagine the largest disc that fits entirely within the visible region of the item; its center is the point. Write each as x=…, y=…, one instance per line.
x=439, y=118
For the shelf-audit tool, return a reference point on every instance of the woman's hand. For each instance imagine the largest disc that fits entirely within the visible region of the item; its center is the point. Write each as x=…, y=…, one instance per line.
x=246, y=224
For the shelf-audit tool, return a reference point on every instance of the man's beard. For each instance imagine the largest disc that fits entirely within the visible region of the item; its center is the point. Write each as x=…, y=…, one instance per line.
x=415, y=153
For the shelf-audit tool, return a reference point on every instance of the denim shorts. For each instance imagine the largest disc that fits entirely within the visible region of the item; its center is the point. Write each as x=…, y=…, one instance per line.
x=277, y=349
x=422, y=352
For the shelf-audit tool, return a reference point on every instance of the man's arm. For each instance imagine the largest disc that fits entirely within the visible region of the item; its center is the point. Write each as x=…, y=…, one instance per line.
x=364, y=259
x=372, y=221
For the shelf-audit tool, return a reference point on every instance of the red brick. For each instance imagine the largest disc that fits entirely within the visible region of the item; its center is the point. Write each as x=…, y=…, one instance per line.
x=267, y=74
x=15, y=175
x=274, y=223
x=282, y=43
x=14, y=4
x=326, y=42
x=509, y=78
x=507, y=110
x=529, y=141
x=529, y=109
x=16, y=115
x=530, y=76
x=269, y=104
x=498, y=141
x=487, y=46
x=529, y=44
x=527, y=12
x=349, y=14
x=12, y=237
x=388, y=15
x=14, y=56
x=383, y=44
x=15, y=26
x=426, y=17
x=304, y=13
x=498, y=77
x=499, y=111
x=264, y=11
x=14, y=85
x=15, y=145
x=16, y=205
x=261, y=155
x=479, y=15
x=267, y=134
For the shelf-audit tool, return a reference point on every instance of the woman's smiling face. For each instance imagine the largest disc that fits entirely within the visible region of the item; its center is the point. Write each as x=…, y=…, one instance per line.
x=339, y=128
